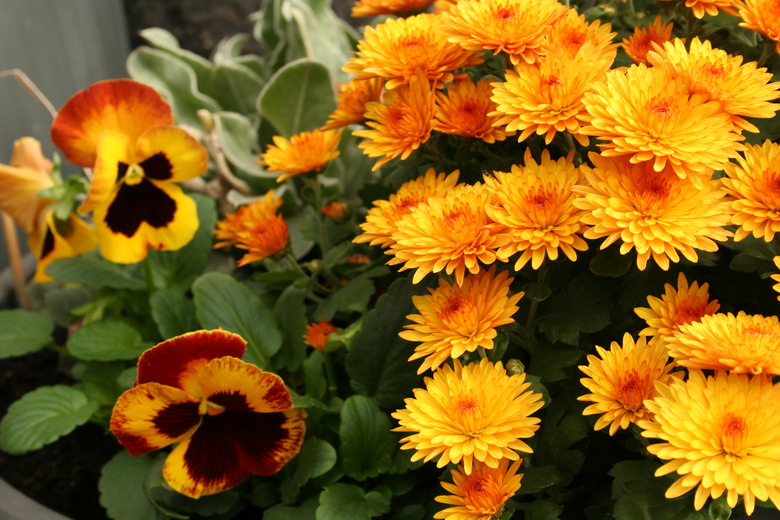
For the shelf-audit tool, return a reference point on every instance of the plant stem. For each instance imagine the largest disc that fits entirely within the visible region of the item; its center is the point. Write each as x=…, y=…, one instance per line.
x=769, y=50
x=317, y=189
x=15, y=259
x=310, y=277
x=542, y=274
x=330, y=375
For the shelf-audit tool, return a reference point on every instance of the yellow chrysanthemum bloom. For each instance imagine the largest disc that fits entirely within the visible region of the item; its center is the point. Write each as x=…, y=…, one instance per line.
x=399, y=49
x=468, y=414
x=572, y=31
x=776, y=277
x=456, y=319
x=382, y=218
x=641, y=42
x=743, y=344
x=754, y=187
x=302, y=153
x=621, y=379
x=363, y=8
x=721, y=434
x=762, y=16
x=482, y=494
x=449, y=233
x=442, y=6
x=647, y=115
x=534, y=211
x=352, y=100
x=466, y=110
x=401, y=125
x=711, y=7
x=741, y=89
x=677, y=306
x=547, y=97
x=658, y=213
x=515, y=27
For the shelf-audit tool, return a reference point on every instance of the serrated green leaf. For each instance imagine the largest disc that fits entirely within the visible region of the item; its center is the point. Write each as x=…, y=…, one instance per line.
x=306, y=511
x=91, y=270
x=223, y=302
x=42, y=416
x=543, y=510
x=121, y=487
x=316, y=458
x=367, y=446
x=106, y=340
x=173, y=313
x=348, y=502
x=23, y=332
x=537, y=478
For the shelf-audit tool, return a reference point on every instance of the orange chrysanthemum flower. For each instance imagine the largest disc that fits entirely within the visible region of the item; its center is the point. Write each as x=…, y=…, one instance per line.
x=399, y=49
x=534, y=211
x=456, y=319
x=352, y=100
x=516, y=27
x=317, y=334
x=465, y=110
x=647, y=115
x=641, y=42
x=754, y=187
x=380, y=224
x=336, y=210
x=677, y=306
x=401, y=125
x=742, y=90
x=442, y=6
x=468, y=414
x=572, y=31
x=743, y=344
x=711, y=7
x=364, y=8
x=776, y=277
x=762, y=16
x=721, y=434
x=302, y=153
x=621, y=379
x=449, y=233
x=480, y=495
x=658, y=213
x=255, y=227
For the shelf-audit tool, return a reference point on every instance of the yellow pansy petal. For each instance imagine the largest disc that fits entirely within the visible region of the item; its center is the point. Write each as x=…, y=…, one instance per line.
x=167, y=153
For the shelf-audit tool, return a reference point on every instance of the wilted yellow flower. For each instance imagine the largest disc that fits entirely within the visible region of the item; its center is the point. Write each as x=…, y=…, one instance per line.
x=660, y=214
x=721, y=434
x=382, y=218
x=302, y=153
x=21, y=181
x=621, y=379
x=401, y=125
x=465, y=110
x=763, y=17
x=363, y=8
x=743, y=344
x=638, y=44
x=534, y=210
x=480, y=495
x=742, y=90
x=647, y=115
x=448, y=233
x=754, y=187
x=711, y=7
x=399, y=49
x=456, y=319
x=467, y=414
x=515, y=27
x=677, y=306
x=570, y=32
x=352, y=100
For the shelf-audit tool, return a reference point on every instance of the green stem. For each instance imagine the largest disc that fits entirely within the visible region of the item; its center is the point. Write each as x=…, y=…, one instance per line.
x=58, y=349
x=330, y=375
x=312, y=281
x=690, y=25
x=324, y=242
x=769, y=50
x=542, y=274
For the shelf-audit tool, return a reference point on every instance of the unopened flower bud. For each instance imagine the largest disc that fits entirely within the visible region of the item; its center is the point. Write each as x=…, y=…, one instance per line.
x=514, y=367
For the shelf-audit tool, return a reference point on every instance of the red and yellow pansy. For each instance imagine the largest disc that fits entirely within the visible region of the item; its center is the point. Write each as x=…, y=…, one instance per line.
x=229, y=417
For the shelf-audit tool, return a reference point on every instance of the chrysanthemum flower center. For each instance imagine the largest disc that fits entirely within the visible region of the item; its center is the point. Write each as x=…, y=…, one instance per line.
x=453, y=216
x=575, y=39
x=632, y=390
x=733, y=434
x=468, y=107
x=540, y=199
x=483, y=495
x=716, y=70
x=406, y=205
x=504, y=13
x=453, y=305
x=690, y=313
x=552, y=81
x=467, y=407
x=664, y=108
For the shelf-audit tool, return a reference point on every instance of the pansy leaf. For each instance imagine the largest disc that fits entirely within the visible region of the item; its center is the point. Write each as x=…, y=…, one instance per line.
x=238, y=138
x=238, y=86
x=23, y=332
x=352, y=297
x=298, y=97
x=99, y=380
x=314, y=375
x=173, y=313
x=306, y=511
x=106, y=340
x=223, y=302
x=61, y=300
x=349, y=502
x=290, y=312
x=316, y=458
x=42, y=416
x=93, y=271
x=121, y=487
x=367, y=445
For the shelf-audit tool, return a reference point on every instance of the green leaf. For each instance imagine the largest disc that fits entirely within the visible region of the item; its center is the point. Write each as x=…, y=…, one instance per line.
x=175, y=79
x=100, y=381
x=577, y=309
x=238, y=86
x=538, y=478
x=548, y=362
x=610, y=263
x=42, y=416
x=160, y=38
x=316, y=458
x=106, y=340
x=306, y=511
x=367, y=446
x=61, y=300
x=298, y=97
x=377, y=362
x=348, y=502
x=121, y=487
x=543, y=510
x=229, y=48
x=352, y=297
x=239, y=142
x=173, y=313
x=314, y=375
x=221, y=301
x=93, y=271
x=290, y=312
x=22, y=332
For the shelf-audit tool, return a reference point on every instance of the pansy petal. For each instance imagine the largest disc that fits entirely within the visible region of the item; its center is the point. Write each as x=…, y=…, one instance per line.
x=20, y=182
x=178, y=358
x=55, y=239
x=240, y=386
x=113, y=158
x=167, y=153
x=143, y=215
x=226, y=447
x=151, y=416
x=121, y=105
